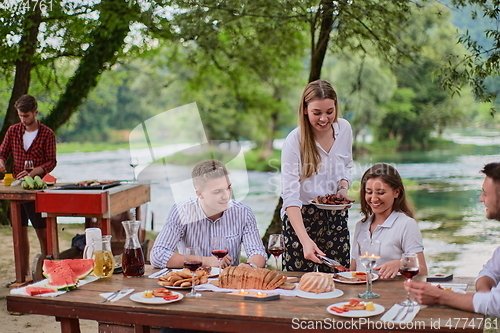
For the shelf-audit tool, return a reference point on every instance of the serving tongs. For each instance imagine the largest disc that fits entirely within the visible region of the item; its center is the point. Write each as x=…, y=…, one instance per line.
x=331, y=263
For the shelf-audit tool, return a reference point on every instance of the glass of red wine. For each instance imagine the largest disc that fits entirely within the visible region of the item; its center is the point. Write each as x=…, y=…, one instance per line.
x=276, y=246
x=192, y=261
x=408, y=267
x=219, y=249
x=369, y=253
x=28, y=166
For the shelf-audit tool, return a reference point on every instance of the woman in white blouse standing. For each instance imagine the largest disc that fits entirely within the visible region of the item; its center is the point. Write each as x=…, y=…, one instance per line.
x=316, y=160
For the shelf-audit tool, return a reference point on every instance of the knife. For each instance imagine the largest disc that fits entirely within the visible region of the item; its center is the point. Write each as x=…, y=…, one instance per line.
x=110, y=296
x=162, y=272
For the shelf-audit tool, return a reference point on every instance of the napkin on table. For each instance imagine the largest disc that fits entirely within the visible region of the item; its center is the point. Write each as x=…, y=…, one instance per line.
x=389, y=315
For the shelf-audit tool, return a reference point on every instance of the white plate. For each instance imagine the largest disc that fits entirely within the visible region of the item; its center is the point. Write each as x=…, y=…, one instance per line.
x=176, y=287
x=348, y=275
x=456, y=287
x=213, y=272
x=331, y=294
x=137, y=297
x=356, y=313
x=331, y=207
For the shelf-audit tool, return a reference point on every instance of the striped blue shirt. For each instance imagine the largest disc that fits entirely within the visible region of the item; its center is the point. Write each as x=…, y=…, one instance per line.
x=187, y=225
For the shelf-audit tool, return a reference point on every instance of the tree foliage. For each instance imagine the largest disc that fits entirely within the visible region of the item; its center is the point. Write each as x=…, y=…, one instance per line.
x=483, y=61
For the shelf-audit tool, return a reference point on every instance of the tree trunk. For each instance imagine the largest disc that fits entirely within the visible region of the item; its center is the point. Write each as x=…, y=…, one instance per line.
x=320, y=47
x=108, y=40
x=22, y=77
x=317, y=57
x=24, y=63
x=275, y=225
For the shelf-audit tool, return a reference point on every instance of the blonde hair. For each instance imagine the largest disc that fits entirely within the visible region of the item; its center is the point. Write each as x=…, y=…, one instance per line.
x=207, y=170
x=309, y=154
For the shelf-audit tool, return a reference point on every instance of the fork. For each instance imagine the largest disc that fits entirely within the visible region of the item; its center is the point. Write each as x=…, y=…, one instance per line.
x=110, y=296
x=408, y=311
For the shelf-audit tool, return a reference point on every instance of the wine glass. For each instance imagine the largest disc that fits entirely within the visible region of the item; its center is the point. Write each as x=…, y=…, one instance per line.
x=408, y=267
x=134, y=162
x=219, y=249
x=369, y=252
x=28, y=166
x=192, y=261
x=276, y=246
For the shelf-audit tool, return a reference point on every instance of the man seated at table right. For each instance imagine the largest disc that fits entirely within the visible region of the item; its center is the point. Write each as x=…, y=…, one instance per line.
x=486, y=300
x=212, y=213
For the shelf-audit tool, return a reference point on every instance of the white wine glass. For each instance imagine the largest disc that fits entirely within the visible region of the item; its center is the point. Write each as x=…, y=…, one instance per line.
x=193, y=261
x=369, y=253
x=409, y=267
x=134, y=162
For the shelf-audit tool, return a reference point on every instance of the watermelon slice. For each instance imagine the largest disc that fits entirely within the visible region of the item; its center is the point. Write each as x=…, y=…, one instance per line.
x=81, y=267
x=49, y=179
x=64, y=274
x=32, y=291
x=60, y=275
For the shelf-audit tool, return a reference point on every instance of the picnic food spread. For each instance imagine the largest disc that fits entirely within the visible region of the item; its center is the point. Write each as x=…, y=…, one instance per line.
x=315, y=282
x=242, y=277
x=183, y=278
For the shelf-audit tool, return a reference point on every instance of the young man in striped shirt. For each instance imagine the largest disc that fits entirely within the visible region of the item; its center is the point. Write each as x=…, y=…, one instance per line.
x=212, y=213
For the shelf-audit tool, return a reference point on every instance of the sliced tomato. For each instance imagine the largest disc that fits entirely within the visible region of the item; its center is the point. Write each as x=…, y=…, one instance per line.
x=338, y=310
x=170, y=297
x=353, y=302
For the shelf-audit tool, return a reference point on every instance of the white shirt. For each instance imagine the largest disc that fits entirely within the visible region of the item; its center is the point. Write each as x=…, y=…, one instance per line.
x=335, y=165
x=488, y=303
x=28, y=138
x=398, y=234
x=187, y=225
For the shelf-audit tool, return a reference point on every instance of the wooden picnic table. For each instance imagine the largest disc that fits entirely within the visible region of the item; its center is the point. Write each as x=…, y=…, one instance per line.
x=98, y=204
x=221, y=312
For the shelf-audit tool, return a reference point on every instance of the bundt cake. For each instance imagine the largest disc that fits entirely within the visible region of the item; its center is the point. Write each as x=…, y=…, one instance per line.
x=315, y=282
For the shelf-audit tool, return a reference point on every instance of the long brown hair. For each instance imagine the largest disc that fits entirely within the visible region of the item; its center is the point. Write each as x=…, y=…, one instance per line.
x=310, y=158
x=391, y=177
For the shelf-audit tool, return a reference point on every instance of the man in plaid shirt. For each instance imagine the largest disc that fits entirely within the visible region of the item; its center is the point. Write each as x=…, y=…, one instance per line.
x=30, y=140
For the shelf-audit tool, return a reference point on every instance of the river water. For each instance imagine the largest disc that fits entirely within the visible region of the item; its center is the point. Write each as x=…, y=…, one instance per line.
x=457, y=237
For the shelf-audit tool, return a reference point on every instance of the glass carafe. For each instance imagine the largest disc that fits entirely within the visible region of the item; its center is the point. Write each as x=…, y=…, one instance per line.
x=133, y=258
x=104, y=262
